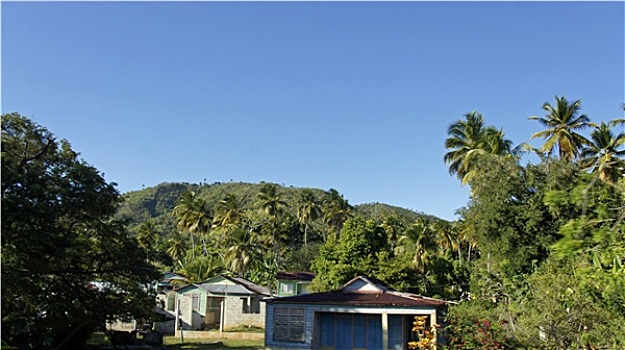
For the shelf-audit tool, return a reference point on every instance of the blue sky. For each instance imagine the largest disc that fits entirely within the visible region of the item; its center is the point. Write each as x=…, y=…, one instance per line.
x=355, y=96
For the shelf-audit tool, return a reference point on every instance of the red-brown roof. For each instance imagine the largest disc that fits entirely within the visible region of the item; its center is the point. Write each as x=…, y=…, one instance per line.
x=295, y=276
x=363, y=291
x=389, y=298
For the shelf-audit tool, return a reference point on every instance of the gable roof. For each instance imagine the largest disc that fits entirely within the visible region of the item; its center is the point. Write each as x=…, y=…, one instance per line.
x=224, y=285
x=363, y=291
x=295, y=276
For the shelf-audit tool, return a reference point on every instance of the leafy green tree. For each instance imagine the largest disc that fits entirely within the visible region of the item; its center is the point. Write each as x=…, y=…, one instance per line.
x=307, y=210
x=354, y=253
x=604, y=152
x=67, y=265
x=469, y=139
x=563, y=122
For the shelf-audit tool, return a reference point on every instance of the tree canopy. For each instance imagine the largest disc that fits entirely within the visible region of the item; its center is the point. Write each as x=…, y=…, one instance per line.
x=67, y=265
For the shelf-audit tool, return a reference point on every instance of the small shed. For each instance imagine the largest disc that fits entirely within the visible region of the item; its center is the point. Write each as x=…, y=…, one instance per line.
x=221, y=302
x=363, y=314
x=293, y=283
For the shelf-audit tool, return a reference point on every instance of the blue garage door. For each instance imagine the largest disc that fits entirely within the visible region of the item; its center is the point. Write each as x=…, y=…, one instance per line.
x=350, y=331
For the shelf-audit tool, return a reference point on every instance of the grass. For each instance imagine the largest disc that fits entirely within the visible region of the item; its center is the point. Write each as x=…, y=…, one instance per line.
x=203, y=344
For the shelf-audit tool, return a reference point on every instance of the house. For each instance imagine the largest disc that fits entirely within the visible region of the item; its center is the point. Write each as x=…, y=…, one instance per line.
x=363, y=314
x=163, y=321
x=293, y=283
x=165, y=294
x=220, y=302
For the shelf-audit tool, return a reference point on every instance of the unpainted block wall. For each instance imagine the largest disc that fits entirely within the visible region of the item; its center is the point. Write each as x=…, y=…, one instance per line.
x=236, y=317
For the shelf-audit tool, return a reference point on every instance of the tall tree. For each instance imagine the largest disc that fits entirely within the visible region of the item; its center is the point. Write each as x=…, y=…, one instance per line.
x=244, y=252
x=336, y=210
x=229, y=211
x=563, y=122
x=60, y=242
x=176, y=246
x=419, y=239
x=147, y=233
x=604, y=152
x=192, y=214
x=468, y=139
x=271, y=204
x=307, y=210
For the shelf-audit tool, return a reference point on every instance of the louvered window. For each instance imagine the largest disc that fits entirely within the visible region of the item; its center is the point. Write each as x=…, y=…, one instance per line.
x=288, y=324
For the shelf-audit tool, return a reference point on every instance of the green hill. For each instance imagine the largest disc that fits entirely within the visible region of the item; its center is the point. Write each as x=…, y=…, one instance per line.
x=157, y=202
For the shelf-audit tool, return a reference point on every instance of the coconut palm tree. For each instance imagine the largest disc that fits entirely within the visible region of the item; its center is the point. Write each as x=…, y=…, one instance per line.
x=146, y=233
x=244, y=252
x=336, y=210
x=272, y=206
x=419, y=239
x=308, y=210
x=228, y=211
x=176, y=246
x=191, y=213
x=468, y=140
x=604, y=152
x=562, y=121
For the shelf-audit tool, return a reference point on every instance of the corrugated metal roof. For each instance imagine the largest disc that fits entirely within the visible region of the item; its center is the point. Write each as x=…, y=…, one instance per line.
x=226, y=289
x=363, y=291
x=295, y=276
x=363, y=299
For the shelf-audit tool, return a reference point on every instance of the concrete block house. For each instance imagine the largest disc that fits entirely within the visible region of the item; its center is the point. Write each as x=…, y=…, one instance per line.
x=363, y=314
x=221, y=302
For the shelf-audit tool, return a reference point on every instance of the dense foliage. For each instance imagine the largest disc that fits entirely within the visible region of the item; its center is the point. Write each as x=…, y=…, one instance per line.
x=551, y=240
x=67, y=266
x=535, y=261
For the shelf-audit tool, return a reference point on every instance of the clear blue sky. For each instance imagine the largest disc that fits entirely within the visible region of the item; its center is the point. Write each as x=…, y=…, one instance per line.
x=355, y=96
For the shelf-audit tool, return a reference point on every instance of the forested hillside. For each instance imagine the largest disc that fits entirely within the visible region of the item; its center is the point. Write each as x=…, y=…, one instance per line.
x=254, y=230
x=536, y=260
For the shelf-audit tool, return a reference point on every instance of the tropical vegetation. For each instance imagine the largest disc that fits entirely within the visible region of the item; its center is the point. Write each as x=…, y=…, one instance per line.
x=535, y=260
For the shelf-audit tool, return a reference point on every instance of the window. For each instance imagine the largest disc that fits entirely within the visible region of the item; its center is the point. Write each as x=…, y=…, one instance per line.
x=171, y=301
x=288, y=324
x=286, y=288
x=195, y=301
x=251, y=305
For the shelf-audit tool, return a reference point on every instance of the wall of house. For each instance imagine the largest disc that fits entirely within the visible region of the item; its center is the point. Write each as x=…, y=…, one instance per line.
x=394, y=321
x=234, y=315
x=270, y=344
x=190, y=318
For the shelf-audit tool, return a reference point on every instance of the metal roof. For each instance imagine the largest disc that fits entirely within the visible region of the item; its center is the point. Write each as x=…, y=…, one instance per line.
x=363, y=291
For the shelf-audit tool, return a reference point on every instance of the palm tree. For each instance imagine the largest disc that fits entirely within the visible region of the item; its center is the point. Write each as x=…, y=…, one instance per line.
x=336, y=210
x=602, y=154
x=201, y=268
x=420, y=240
x=244, y=253
x=272, y=205
x=192, y=214
x=562, y=121
x=228, y=211
x=146, y=233
x=307, y=210
x=177, y=246
x=392, y=225
x=468, y=139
